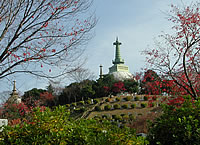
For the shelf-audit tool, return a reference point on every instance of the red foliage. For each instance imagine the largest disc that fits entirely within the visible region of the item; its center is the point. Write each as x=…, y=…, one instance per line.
x=176, y=101
x=118, y=87
x=179, y=58
x=17, y=113
x=106, y=88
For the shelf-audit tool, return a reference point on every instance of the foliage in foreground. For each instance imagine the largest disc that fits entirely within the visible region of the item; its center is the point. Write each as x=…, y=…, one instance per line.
x=178, y=125
x=55, y=127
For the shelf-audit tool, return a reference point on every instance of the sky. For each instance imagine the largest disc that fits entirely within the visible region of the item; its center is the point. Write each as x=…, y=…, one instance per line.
x=135, y=22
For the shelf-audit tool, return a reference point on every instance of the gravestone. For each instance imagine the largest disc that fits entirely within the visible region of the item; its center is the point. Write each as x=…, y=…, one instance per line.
x=3, y=122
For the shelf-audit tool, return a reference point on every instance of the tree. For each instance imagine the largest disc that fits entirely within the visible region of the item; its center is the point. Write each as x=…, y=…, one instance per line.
x=178, y=124
x=74, y=92
x=30, y=97
x=118, y=87
x=151, y=83
x=103, y=85
x=131, y=86
x=178, y=58
x=50, y=88
x=39, y=34
x=81, y=74
x=87, y=92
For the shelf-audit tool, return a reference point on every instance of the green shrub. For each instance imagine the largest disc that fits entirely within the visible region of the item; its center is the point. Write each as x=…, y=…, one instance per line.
x=136, y=98
x=73, y=104
x=125, y=117
x=97, y=108
x=107, y=107
x=80, y=110
x=143, y=105
x=88, y=102
x=128, y=98
x=131, y=117
x=116, y=106
x=55, y=127
x=146, y=98
x=178, y=125
x=105, y=116
x=96, y=101
x=113, y=116
x=125, y=106
x=118, y=99
x=117, y=117
x=67, y=105
x=133, y=105
x=81, y=103
x=152, y=104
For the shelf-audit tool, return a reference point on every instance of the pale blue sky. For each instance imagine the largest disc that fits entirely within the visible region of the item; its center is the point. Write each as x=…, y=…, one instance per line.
x=135, y=22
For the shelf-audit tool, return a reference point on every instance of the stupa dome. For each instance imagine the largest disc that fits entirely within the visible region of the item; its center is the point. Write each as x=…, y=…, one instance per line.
x=122, y=75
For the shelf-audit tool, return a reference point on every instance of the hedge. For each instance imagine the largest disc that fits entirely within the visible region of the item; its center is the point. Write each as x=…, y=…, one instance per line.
x=107, y=107
x=116, y=106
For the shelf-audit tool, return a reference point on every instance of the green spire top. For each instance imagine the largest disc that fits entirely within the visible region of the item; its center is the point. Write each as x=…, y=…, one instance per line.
x=118, y=59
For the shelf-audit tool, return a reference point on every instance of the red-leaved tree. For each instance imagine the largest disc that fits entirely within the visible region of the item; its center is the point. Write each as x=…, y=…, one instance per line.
x=40, y=36
x=177, y=55
x=118, y=87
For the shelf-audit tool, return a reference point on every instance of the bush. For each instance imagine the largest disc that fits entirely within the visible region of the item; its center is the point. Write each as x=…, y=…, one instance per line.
x=154, y=98
x=117, y=117
x=136, y=98
x=128, y=98
x=82, y=109
x=131, y=117
x=105, y=116
x=118, y=99
x=55, y=127
x=67, y=105
x=107, y=107
x=125, y=117
x=97, y=108
x=96, y=101
x=177, y=125
x=143, y=105
x=88, y=102
x=81, y=103
x=133, y=105
x=116, y=106
x=125, y=106
x=146, y=98
x=79, y=110
x=73, y=104
x=152, y=104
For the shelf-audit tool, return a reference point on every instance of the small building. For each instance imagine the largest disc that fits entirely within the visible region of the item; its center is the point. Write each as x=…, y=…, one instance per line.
x=14, y=96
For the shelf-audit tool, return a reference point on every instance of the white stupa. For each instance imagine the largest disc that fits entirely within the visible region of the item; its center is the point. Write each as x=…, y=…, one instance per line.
x=14, y=96
x=119, y=70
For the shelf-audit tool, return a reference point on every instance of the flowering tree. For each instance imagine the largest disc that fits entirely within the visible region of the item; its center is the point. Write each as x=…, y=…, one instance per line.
x=118, y=87
x=35, y=34
x=151, y=83
x=178, y=58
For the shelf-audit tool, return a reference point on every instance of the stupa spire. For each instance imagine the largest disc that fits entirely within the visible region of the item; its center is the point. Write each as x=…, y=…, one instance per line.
x=101, y=72
x=14, y=88
x=118, y=59
x=14, y=97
